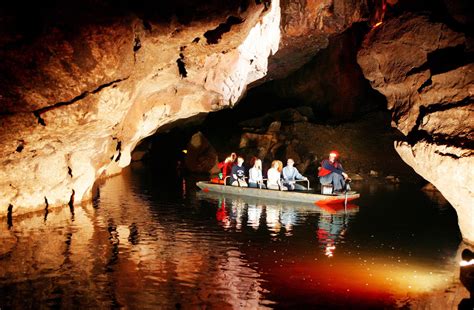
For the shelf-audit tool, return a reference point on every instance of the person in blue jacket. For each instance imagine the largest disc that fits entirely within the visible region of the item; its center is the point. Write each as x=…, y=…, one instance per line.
x=290, y=174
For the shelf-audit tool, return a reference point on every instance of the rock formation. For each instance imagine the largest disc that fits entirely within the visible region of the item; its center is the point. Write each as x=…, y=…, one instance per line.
x=79, y=91
x=201, y=156
x=75, y=105
x=308, y=25
x=364, y=144
x=332, y=83
x=425, y=71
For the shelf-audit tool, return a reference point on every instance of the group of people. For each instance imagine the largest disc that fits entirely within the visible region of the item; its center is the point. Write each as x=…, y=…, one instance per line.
x=279, y=177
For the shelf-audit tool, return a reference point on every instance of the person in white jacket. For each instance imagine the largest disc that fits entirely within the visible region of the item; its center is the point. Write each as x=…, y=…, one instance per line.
x=255, y=175
x=274, y=176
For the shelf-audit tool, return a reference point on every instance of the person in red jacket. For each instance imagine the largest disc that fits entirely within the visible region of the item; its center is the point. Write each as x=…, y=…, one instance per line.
x=331, y=172
x=226, y=166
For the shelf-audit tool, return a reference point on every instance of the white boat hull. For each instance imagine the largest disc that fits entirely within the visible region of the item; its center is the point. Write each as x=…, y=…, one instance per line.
x=275, y=194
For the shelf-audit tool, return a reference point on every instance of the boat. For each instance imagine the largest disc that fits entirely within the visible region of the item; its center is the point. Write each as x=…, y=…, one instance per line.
x=333, y=208
x=295, y=196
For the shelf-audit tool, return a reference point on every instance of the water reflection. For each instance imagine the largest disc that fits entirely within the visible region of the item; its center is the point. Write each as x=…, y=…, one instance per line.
x=279, y=216
x=330, y=267
x=121, y=253
x=149, y=245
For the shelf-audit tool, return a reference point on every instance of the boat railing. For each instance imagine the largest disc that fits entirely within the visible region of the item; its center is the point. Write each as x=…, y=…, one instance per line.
x=304, y=180
x=261, y=183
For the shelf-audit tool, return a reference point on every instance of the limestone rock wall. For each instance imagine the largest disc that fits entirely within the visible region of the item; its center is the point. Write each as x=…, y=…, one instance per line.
x=77, y=96
x=425, y=70
x=79, y=89
x=332, y=82
x=308, y=25
x=73, y=106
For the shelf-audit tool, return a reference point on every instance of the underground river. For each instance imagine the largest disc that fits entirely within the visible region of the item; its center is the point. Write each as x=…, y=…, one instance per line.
x=151, y=243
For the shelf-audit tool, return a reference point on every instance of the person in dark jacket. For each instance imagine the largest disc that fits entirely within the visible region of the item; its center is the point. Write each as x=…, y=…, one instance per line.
x=331, y=172
x=238, y=174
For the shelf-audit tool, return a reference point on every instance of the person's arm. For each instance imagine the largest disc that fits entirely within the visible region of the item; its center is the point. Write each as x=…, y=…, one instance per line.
x=221, y=165
x=284, y=173
x=279, y=180
x=328, y=166
x=234, y=172
x=299, y=176
x=344, y=174
x=243, y=173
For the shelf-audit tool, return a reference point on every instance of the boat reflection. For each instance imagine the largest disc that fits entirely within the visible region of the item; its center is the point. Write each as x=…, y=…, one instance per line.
x=332, y=227
x=326, y=267
x=281, y=217
x=146, y=246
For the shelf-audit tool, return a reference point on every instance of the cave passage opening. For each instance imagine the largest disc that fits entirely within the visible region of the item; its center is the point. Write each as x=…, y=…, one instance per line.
x=275, y=130
x=326, y=104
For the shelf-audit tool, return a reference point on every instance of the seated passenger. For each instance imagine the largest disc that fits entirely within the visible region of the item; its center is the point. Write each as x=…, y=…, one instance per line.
x=274, y=176
x=255, y=175
x=226, y=167
x=290, y=174
x=331, y=172
x=238, y=174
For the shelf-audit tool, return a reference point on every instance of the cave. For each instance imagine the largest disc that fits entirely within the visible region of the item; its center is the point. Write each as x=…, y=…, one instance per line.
x=110, y=112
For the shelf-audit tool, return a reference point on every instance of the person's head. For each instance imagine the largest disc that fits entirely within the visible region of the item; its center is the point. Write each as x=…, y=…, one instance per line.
x=258, y=164
x=290, y=162
x=233, y=156
x=240, y=160
x=333, y=155
x=252, y=161
x=277, y=165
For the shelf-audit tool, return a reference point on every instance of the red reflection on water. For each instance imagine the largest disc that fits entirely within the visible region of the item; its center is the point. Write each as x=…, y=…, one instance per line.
x=324, y=283
x=338, y=207
x=322, y=271
x=221, y=214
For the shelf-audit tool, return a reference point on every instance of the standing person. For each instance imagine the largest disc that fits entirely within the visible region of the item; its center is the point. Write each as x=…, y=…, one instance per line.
x=238, y=174
x=331, y=172
x=255, y=175
x=290, y=174
x=274, y=176
x=226, y=166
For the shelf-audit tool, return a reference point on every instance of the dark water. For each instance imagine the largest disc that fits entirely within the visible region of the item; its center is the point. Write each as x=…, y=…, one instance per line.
x=149, y=244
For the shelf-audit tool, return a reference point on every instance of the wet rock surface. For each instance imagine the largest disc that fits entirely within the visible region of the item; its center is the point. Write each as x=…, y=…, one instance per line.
x=331, y=83
x=78, y=95
x=307, y=27
x=429, y=87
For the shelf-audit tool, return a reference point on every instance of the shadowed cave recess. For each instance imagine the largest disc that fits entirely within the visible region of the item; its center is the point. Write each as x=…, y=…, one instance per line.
x=87, y=87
